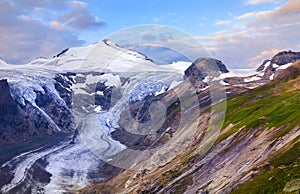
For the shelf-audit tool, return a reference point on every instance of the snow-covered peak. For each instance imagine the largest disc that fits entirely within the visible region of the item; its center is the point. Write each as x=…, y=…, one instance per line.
x=103, y=56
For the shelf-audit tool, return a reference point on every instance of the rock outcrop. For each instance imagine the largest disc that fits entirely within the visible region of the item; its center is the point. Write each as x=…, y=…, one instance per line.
x=285, y=57
x=204, y=67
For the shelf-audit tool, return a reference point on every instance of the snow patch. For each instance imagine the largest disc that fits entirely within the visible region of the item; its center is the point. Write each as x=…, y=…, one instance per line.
x=285, y=66
x=275, y=65
x=100, y=93
x=267, y=65
x=98, y=109
x=111, y=80
x=251, y=79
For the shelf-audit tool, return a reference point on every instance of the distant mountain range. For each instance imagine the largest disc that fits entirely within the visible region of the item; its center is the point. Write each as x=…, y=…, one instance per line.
x=89, y=113
x=159, y=54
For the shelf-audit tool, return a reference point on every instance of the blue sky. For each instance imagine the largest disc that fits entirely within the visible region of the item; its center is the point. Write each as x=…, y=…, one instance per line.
x=241, y=33
x=196, y=17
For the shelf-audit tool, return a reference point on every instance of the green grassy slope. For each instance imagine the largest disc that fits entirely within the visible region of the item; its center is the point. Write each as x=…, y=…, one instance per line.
x=275, y=105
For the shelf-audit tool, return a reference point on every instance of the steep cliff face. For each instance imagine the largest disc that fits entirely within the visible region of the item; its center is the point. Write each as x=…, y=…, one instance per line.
x=257, y=149
x=21, y=122
x=14, y=127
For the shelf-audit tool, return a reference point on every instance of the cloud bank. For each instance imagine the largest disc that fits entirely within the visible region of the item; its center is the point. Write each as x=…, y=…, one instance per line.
x=255, y=36
x=31, y=28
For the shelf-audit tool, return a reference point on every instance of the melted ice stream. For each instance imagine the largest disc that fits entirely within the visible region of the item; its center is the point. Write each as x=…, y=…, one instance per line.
x=70, y=165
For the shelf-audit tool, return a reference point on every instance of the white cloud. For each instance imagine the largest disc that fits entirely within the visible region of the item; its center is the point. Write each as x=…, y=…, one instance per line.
x=255, y=2
x=252, y=14
x=80, y=18
x=25, y=37
x=79, y=3
x=267, y=54
x=57, y=26
x=172, y=13
x=156, y=20
x=223, y=22
x=252, y=41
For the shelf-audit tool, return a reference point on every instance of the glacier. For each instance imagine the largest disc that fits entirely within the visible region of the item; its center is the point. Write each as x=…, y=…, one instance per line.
x=92, y=145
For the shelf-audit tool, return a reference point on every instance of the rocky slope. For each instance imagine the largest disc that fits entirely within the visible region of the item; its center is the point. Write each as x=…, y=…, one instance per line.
x=256, y=150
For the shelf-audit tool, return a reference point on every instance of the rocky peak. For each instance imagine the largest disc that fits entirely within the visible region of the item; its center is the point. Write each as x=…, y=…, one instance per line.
x=281, y=58
x=204, y=67
x=285, y=57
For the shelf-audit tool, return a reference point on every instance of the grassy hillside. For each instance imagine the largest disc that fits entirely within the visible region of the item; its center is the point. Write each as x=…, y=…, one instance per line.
x=275, y=105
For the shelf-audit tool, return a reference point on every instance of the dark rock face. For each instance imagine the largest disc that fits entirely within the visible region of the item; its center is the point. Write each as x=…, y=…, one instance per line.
x=14, y=126
x=268, y=72
x=285, y=57
x=110, y=94
x=7, y=104
x=30, y=126
x=262, y=66
x=63, y=86
x=56, y=111
x=22, y=124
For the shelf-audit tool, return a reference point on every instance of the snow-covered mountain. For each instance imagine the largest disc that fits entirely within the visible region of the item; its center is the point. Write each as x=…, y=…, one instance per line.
x=56, y=104
x=101, y=56
x=90, y=105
